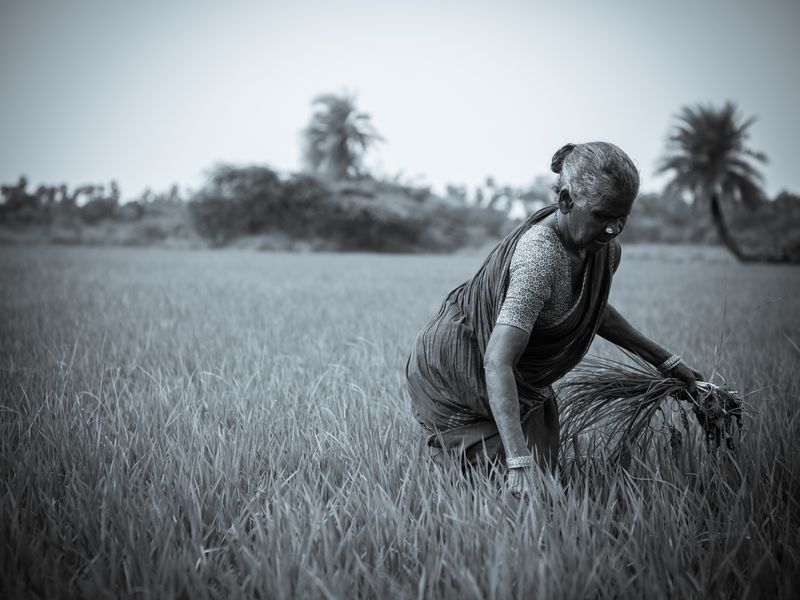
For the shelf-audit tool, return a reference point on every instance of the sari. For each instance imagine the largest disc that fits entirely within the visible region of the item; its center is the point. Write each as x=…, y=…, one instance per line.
x=445, y=373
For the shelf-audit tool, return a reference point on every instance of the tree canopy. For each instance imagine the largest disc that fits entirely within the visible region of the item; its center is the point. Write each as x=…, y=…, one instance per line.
x=337, y=137
x=708, y=157
x=707, y=154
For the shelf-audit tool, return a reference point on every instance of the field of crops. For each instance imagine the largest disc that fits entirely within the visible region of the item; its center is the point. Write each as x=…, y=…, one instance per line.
x=224, y=424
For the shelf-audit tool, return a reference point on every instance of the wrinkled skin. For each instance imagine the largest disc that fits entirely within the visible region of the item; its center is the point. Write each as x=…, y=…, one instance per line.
x=584, y=228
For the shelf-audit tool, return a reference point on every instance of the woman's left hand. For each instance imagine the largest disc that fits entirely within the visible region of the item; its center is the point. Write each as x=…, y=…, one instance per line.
x=687, y=375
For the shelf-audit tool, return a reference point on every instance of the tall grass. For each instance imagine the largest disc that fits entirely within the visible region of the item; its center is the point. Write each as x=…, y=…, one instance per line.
x=225, y=425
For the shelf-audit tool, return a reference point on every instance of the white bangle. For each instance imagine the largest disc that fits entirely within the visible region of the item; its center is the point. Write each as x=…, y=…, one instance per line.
x=669, y=364
x=519, y=462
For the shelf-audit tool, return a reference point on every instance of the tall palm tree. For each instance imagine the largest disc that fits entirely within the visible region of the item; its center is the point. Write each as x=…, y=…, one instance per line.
x=707, y=154
x=337, y=137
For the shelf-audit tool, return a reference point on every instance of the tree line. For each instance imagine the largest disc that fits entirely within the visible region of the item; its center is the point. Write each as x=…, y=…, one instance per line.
x=335, y=203
x=88, y=203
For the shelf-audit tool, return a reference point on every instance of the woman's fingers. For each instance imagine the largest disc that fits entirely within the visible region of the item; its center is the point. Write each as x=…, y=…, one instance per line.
x=518, y=484
x=686, y=375
x=521, y=496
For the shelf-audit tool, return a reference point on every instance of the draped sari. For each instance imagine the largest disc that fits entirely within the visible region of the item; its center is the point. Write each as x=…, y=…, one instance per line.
x=445, y=373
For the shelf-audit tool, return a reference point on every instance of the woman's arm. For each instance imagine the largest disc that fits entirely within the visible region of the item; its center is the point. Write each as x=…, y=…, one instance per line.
x=505, y=347
x=532, y=272
x=616, y=329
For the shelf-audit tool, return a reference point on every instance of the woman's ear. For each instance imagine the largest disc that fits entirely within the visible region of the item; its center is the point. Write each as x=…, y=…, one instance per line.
x=565, y=202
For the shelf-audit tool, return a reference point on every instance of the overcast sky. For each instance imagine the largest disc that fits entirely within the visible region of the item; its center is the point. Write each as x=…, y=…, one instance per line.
x=152, y=93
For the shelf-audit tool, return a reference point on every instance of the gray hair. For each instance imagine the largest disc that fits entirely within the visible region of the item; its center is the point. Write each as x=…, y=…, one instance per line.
x=592, y=171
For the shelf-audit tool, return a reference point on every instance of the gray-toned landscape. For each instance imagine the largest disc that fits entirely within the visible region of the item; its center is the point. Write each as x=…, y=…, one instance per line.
x=223, y=226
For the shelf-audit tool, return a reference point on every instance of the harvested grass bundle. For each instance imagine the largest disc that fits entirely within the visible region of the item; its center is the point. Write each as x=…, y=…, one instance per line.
x=622, y=401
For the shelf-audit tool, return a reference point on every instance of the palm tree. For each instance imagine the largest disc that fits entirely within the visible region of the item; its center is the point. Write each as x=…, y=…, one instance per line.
x=337, y=137
x=709, y=159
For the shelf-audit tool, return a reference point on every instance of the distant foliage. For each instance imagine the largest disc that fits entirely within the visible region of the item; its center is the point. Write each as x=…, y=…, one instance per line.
x=89, y=204
x=666, y=219
x=259, y=207
x=237, y=201
x=19, y=206
x=358, y=214
x=708, y=157
x=707, y=154
x=337, y=137
x=217, y=219
x=99, y=209
x=92, y=214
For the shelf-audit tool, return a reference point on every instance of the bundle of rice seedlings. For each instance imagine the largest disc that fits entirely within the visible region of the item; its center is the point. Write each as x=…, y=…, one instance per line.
x=620, y=402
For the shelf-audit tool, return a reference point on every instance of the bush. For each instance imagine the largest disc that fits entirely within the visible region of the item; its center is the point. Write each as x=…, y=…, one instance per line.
x=363, y=214
x=98, y=209
x=308, y=207
x=363, y=224
x=257, y=193
x=237, y=201
x=131, y=211
x=218, y=220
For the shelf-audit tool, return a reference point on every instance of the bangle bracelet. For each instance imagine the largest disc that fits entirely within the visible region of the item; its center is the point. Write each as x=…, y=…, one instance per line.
x=518, y=462
x=669, y=364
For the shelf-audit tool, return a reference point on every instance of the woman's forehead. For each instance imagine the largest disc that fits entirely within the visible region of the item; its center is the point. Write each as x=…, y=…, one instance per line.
x=615, y=203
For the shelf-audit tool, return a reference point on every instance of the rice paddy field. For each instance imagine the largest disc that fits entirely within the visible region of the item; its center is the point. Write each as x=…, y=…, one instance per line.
x=234, y=424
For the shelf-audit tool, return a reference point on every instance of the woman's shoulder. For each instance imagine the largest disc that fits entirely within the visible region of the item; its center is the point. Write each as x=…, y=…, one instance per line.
x=538, y=255
x=539, y=241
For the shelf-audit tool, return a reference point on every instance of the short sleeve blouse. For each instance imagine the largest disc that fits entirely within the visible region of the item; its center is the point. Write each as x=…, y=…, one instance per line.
x=540, y=287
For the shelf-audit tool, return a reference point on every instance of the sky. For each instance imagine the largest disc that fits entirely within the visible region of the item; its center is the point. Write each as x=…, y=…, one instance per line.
x=155, y=93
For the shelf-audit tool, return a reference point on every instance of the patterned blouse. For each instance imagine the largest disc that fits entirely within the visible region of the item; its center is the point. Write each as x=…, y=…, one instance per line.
x=540, y=282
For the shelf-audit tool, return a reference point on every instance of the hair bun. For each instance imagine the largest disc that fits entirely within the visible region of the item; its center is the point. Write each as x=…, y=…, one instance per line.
x=560, y=156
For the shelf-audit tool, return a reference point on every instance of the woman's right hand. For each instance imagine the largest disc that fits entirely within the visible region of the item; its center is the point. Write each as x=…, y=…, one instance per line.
x=518, y=483
x=688, y=376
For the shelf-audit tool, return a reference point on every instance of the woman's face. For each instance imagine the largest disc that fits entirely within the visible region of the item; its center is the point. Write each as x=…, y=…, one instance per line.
x=594, y=225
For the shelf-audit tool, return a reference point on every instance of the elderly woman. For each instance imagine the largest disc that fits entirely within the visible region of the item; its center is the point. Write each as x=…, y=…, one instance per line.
x=481, y=371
